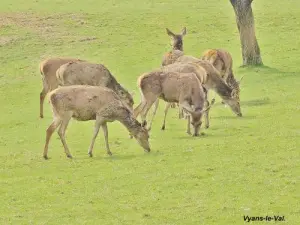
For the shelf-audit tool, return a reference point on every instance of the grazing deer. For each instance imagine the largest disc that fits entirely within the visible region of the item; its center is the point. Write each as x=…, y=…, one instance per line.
x=182, y=88
x=178, y=56
x=85, y=73
x=177, y=39
x=209, y=80
x=222, y=61
x=48, y=69
x=84, y=103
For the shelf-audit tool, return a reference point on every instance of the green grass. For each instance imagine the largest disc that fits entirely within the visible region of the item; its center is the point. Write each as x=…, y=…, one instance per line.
x=242, y=166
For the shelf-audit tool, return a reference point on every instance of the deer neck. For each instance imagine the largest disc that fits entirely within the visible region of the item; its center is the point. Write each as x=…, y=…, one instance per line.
x=232, y=82
x=222, y=89
x=127, y=119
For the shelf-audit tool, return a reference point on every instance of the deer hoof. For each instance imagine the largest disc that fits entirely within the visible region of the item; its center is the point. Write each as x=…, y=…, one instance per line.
x=70, y=156
x=90, y=154
x=163, y=127
x=45, y=157
x=206, y=126
x=109, y=153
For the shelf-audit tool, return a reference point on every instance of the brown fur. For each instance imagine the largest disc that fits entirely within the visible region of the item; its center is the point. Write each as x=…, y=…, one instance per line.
x=85, y=73
x=48, y=69
x=182, y=88
x=178, y=62
x=177, y=56
x=85, y=103
x=222, y=61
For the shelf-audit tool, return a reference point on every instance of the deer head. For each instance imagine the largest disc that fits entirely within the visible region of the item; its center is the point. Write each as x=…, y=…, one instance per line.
x=234, y=103
x=177, y=39
x=197, y=118
x=142, y=137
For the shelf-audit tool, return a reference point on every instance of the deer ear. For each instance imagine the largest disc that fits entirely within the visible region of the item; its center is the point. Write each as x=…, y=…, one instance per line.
x=183, y=32
x=170, y=33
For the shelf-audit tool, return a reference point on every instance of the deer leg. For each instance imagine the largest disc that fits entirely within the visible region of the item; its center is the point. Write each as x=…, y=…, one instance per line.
x=138, y=109
x=62, y=131
x=56, y=122
x=145, y=110
x=165, y=116
x=42, y=98
x=206, y=114
x=180, y=112
x=154, y=112
x=188, y=124
x=105, y=131
x=96, y=131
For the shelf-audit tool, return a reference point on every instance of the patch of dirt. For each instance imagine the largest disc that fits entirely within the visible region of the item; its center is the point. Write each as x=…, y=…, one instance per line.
x=50, y=26
x=5, y=40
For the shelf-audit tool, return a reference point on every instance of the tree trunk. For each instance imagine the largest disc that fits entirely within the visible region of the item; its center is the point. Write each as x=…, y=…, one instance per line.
x=245, y=24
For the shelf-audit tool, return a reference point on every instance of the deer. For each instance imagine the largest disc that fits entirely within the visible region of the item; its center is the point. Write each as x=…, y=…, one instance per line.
x=48, y=69
x=177, y=39
x=172, y=87
x=178, y=56
x=86, y=73
x=183, y=63
x=84, y=103
x=210, y=81
x=176, y=43
x=221, y=59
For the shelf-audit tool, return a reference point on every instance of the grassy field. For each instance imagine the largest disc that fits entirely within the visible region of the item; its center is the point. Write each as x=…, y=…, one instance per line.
x=242, y=166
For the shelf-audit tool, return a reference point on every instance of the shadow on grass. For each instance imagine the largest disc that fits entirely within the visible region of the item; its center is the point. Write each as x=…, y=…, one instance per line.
x=256, y=102
x=245, y=117
x=269, y=70
x=116, y=156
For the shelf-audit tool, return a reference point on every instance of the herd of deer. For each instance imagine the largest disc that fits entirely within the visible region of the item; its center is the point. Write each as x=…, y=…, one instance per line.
x=88, y=91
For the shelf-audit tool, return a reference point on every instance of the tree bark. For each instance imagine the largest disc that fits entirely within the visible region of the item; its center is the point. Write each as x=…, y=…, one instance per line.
x=245, y=24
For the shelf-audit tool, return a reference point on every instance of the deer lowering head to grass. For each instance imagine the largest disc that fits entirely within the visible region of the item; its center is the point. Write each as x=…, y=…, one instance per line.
x=229, y=95
x=84, y=103
x=182, y=88
x=48, y=69
x=177, y=39
x=222, y=61
x=85, y=73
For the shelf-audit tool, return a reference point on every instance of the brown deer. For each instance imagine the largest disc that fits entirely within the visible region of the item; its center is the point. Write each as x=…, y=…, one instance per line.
x=177, y=44
x=182, y=88
x=210, y=80
x=176, y=56
x=85, y=73
x=222, y=61
x=177, y=39
x=84, y=103
x=48, y=69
